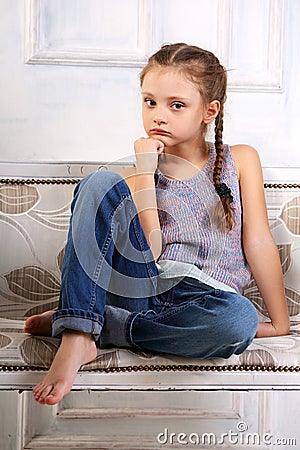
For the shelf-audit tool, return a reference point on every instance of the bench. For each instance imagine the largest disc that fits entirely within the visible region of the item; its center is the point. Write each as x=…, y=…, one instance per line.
x=34, y=218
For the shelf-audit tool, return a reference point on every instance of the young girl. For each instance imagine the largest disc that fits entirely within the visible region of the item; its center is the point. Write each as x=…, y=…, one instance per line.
x=157, y=257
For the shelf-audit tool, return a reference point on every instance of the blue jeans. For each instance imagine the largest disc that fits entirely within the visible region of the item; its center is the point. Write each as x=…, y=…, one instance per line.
x=111, y=287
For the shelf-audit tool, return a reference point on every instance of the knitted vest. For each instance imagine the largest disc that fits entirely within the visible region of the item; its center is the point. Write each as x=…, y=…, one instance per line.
x=189, y=223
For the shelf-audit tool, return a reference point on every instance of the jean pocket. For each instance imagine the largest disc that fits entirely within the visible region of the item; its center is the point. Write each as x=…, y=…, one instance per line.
x=190, y=290
x=165, y=299
x=185, y=315
x=194, y=282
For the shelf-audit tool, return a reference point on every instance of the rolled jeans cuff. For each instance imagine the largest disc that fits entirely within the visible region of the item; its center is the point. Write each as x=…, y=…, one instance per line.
x=77, y=320
x=129, y=327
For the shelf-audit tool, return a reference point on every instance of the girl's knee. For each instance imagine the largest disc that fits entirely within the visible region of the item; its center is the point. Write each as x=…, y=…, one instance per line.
x=250, y=318
x=106, y=178
x=243, y=324
x=98, y=184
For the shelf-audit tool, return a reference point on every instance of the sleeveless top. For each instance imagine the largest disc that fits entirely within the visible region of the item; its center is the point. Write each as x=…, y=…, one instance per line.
x=189, y=220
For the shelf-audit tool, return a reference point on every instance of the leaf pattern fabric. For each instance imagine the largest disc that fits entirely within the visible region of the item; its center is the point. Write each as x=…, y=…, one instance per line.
x=17, y=199
x=33, y=283
x=34, y=221
x=4, y=340
x=290, y=215
x=59, y=219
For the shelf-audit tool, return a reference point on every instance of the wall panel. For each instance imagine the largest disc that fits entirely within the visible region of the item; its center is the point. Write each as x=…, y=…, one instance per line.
x=69, y=73
x=251, y=43
x=88, y=32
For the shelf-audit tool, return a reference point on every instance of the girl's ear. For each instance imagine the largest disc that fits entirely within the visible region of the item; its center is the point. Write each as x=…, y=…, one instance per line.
x=211, y=111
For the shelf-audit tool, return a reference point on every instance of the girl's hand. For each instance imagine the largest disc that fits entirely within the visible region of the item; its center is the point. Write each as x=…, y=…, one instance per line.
x=146, y=152
x=267, y=329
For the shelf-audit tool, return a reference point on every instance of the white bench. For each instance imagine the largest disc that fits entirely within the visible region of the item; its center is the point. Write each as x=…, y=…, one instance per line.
x=34, y=206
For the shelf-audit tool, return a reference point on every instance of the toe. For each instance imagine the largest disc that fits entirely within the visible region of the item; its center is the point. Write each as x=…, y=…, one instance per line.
x=44, y=394
x=28, y=324
x=41, y=391
x=51, y=393
x=37, y=390
x=58, y=392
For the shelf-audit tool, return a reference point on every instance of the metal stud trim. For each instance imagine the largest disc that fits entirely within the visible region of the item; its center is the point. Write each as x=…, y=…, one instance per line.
x=76, y=180
x=166, y=368
x=39, y=180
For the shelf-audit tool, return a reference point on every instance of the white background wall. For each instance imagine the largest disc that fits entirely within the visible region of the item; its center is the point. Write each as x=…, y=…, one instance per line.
x=69, y=88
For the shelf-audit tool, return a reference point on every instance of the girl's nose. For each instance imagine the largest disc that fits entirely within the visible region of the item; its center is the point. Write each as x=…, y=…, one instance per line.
x=159, y=120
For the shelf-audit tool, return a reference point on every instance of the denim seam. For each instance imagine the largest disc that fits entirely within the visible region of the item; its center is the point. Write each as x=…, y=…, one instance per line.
x=168, y=301
x=213, y=291
x=137, y=234
x=150, y=271
x=140, y=241
x=179, y=309
x=119, y=206
x=103, y=254
x=128, y=331
x=78, y=316
x=98, y=269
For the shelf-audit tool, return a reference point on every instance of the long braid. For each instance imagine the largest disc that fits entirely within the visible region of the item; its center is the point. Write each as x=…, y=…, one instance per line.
x=219, y=147
x=222, y=189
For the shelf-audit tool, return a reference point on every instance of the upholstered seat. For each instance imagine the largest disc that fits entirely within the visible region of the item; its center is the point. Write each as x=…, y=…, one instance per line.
x=34, y=222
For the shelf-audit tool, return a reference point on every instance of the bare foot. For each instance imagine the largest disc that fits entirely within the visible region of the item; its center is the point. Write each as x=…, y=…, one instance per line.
x=75, y=350
x=39, y=325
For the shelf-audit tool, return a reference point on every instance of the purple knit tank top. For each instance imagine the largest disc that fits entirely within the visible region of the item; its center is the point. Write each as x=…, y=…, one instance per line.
x=187, y=214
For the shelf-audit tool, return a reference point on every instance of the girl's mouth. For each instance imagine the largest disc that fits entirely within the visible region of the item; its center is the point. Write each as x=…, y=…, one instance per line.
x=160, y=131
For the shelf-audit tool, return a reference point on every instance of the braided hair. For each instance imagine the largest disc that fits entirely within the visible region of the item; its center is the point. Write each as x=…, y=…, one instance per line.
x=222, y=189
x=203, y=68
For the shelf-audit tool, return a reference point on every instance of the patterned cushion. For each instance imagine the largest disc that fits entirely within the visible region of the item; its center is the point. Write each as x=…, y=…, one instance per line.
x=34, y=220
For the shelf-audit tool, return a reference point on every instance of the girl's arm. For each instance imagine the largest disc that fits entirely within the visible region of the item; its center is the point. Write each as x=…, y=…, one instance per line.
x=142, y=186
x=259, y=246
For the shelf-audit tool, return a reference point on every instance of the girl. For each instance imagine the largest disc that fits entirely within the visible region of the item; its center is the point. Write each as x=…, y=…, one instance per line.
x=157, y=257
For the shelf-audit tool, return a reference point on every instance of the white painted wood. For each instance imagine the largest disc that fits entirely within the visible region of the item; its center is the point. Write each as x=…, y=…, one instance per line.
x=44, y=429
x=9, y=420
x=206, y=404
x=192, y=21
x=267, y=55
x=264, y=422
x=128, y=431
x=70, y=442
x=107, y=413
x=281, y=174
x=41, y=49
x=162, y=381
x=53, y=112
x=32, y=419
x=57, y=169
x=71, y=169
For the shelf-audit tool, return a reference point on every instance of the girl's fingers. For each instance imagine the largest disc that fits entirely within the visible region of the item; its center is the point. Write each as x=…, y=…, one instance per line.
x=160, y=147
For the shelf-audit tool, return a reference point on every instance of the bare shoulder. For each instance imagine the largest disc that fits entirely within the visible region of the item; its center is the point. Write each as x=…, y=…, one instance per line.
x=246, y=159
x=255, y=218
x=243, y=150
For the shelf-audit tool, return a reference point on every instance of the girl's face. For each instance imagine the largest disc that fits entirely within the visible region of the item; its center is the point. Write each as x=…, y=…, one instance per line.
x=173, y=110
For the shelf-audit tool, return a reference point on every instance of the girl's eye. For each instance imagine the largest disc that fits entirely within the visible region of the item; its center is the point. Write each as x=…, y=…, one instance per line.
x=177, y=106
x=150, y=102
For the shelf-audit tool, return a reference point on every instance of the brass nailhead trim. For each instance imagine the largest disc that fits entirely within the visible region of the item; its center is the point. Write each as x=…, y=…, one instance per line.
x=76, y=180
x=168, y=368
x=39, y=180
x=282, y=186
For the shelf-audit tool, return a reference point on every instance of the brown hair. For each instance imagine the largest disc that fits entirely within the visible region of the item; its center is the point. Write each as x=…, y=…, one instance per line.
x=203, y=68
